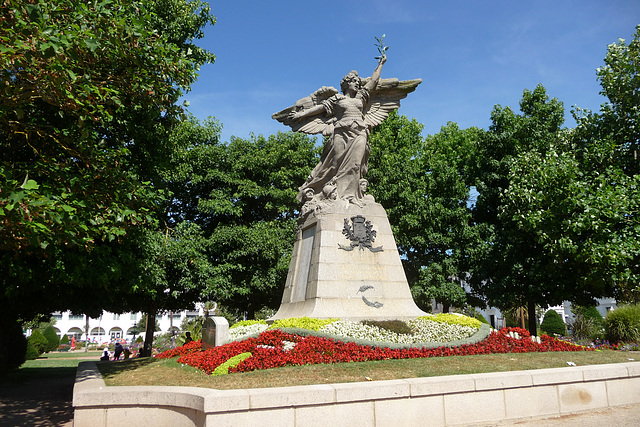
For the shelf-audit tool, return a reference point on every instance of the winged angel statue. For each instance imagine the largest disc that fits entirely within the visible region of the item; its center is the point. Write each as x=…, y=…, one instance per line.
x=346, y=119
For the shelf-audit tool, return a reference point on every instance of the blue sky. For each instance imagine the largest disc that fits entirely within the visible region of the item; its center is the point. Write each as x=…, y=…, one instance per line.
x=471, y=55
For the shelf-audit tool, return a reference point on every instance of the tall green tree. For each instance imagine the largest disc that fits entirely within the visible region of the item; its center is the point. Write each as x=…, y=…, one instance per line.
x=423, y=186
x=242, y=194
x=90, y=93
x=173, y=270
x=514, y=269
x=580, y=201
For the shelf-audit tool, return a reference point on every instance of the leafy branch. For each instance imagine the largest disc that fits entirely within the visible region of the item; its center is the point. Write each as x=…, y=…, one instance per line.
x=382, y=49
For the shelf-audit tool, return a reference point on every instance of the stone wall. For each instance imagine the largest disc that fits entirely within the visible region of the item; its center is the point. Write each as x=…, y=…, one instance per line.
x=443, y=401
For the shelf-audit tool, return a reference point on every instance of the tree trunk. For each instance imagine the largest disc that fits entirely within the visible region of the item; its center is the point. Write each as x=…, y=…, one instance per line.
x=522, y=317
x=86, y=329
x=445, y=307
x=148, y=334
x=533, y=322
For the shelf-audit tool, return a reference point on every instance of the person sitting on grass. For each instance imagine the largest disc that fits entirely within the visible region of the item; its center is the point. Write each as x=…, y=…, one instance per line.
x=118, y=351
x=105, y=355
x=188, y=339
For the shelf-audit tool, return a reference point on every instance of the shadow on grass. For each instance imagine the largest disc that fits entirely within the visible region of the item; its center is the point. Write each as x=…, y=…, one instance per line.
x=37, y=397
x=111, y=369
x=24, y=375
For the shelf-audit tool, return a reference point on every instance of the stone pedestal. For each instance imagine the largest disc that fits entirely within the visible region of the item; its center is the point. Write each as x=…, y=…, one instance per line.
x=345, y=264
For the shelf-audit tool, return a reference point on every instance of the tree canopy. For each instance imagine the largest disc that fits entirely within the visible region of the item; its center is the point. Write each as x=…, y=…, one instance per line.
x=90, y=92
x=242, y=195
x=423, y=185
x=561, y=205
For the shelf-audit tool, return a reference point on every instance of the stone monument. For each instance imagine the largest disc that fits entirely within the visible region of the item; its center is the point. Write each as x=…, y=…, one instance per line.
x=215, y=331
x=345, y=261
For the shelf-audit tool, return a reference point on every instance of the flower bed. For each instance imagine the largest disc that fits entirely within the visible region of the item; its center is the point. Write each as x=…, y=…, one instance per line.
x=439, y=328
x=276, y=348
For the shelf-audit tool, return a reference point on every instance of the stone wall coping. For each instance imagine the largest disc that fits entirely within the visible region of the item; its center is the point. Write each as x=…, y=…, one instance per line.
x=90, y=389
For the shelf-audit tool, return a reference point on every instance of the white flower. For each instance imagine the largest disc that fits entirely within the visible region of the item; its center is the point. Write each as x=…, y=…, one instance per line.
x=242, y=331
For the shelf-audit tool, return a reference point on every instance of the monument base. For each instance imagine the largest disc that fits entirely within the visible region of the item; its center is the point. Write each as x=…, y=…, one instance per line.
x=345, y=264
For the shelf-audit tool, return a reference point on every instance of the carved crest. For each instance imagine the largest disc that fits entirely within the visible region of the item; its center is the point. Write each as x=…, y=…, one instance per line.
x=361, y=234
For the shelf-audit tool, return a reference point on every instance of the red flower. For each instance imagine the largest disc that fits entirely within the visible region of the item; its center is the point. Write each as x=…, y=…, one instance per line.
x=268, y=352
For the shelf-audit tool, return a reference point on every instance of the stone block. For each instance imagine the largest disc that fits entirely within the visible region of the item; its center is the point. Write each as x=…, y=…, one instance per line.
x=391, y=389
x=347, y=414
x=160, y=416
x=599, y=372
x=264, y=418
x=582, y=397
x=502, y=380
x=478, y=407
x=531, y=402
x=633, y=368
x=556, y=376
x=442, y=385
x=282, y=397
x=623, y=391
x=421, y=411
x=227, y=400
x=90, y=417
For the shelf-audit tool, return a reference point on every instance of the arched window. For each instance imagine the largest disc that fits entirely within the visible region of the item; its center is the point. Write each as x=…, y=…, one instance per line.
x=75, y=332
x=116, y=333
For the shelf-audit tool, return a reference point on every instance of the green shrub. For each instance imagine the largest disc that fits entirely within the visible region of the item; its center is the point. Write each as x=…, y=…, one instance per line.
x=15, y=340
x=234, y=361
x=397, y=326
x=36, y=344
x=553, y=324
x=588, y=324
x=32, y=352
x=623, y=324
x=454, y=319
x=64, y=339
x=194, y=326
x=52, y=338
x=302, y=322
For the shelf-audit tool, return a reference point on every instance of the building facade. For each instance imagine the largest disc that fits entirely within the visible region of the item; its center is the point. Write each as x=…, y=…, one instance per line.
x=111, y=326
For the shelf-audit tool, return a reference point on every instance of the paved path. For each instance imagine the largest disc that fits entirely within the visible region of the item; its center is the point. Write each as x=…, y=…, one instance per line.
x=619, y=416
x=41, y=403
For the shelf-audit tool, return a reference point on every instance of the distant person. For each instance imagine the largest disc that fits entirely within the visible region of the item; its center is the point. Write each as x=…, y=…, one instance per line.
x=188, y=339
x=127, y=353
x=105, y=355
x=118, y=351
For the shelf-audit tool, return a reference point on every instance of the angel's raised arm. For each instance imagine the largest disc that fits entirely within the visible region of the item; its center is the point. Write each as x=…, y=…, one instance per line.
x=371, y=84
x=313, y=111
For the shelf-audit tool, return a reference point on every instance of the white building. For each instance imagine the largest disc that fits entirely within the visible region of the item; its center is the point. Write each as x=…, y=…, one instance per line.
x=111, y=326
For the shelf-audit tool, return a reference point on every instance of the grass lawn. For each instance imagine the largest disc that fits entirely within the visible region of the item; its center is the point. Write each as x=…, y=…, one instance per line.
x=50, y=365
x=168, y=372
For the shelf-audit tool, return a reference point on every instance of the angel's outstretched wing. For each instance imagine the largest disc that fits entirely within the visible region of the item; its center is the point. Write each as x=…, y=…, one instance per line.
x=386, y=97
x=313, y=124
